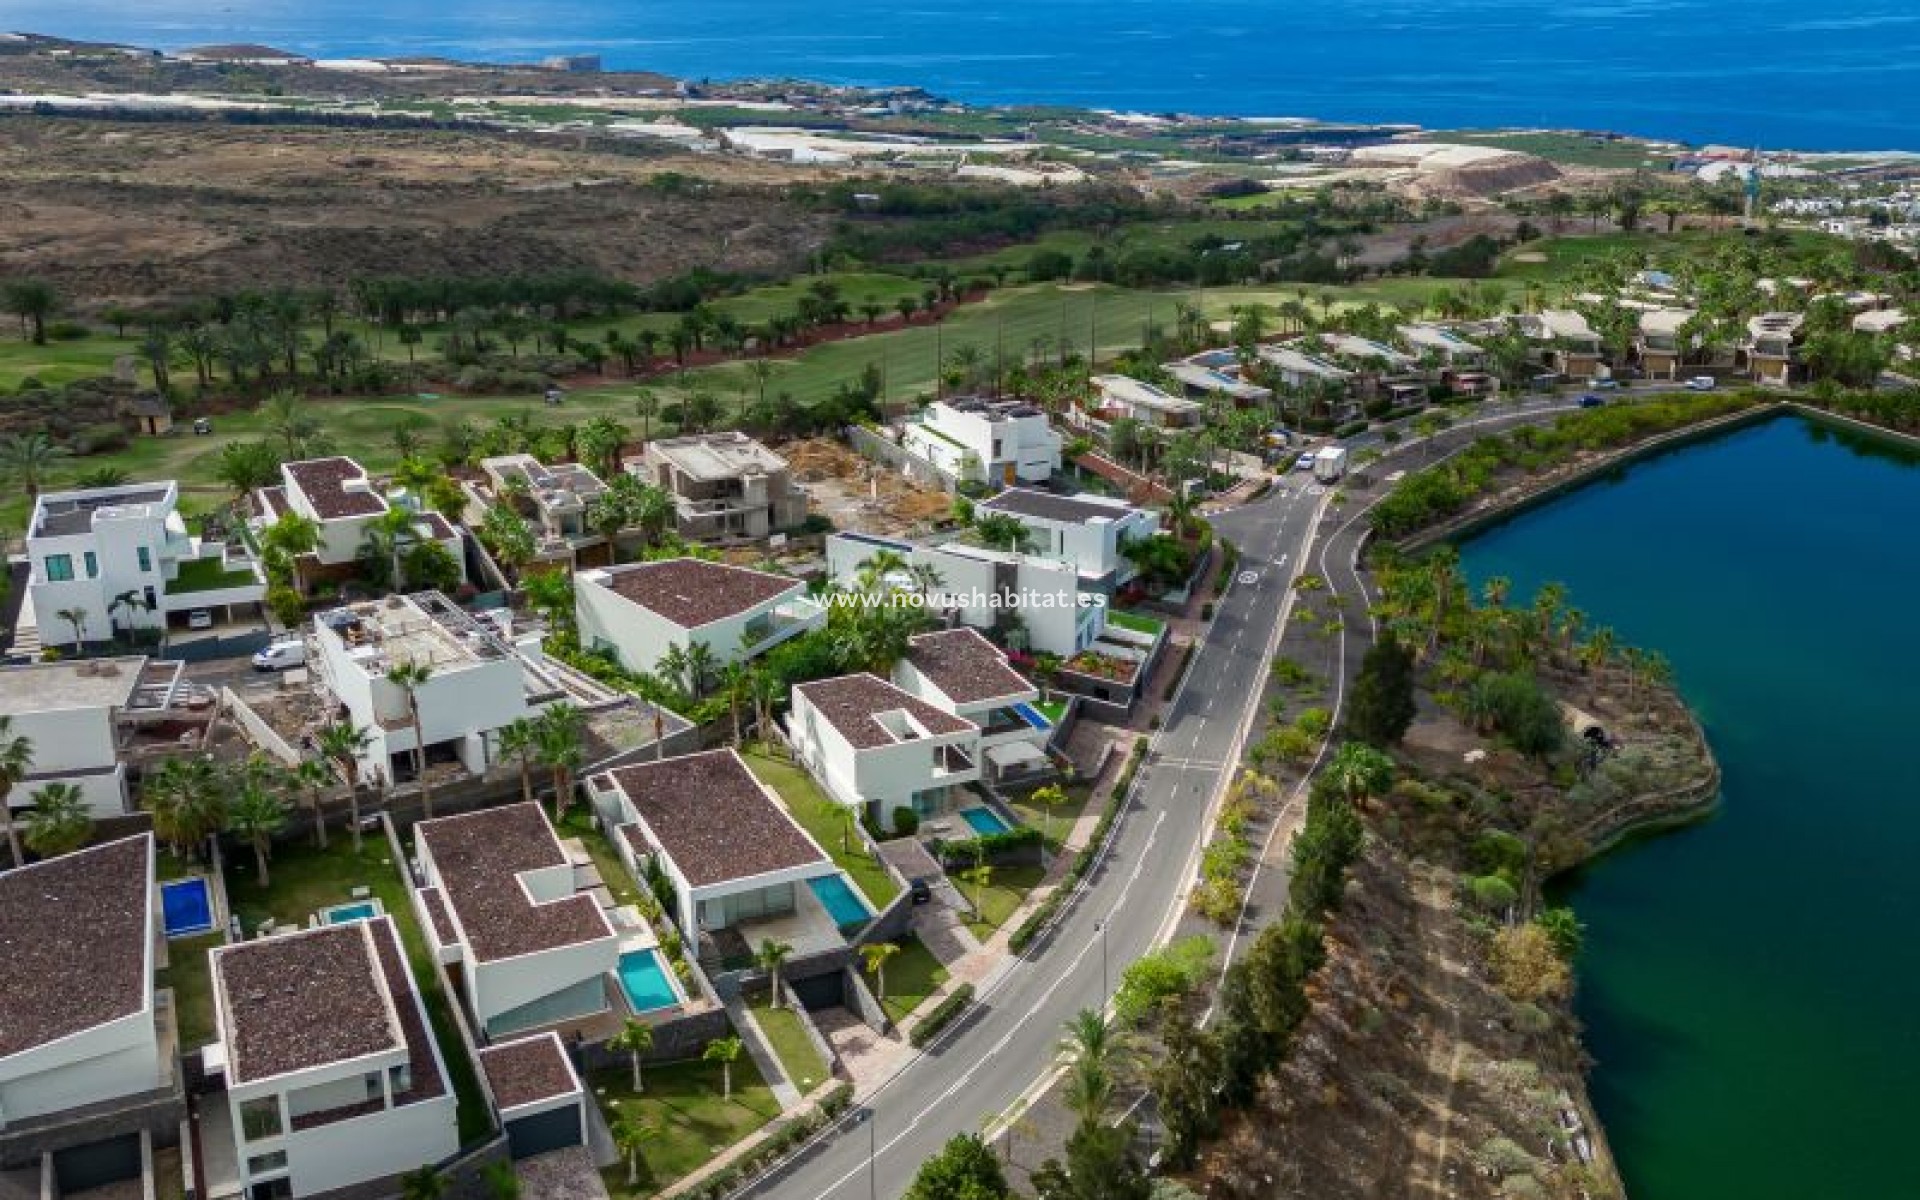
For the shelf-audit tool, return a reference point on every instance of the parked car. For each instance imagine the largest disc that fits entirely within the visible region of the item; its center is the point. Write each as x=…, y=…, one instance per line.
x=1591, y=400
x=202, y=426
x=281, y=656
x=1605, y=385
x=200, y=618
x=1701, y=383
x=920, y=890
x=1304, y=462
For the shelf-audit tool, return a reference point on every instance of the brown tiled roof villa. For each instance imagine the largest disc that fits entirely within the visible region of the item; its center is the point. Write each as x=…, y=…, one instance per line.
x=713, y=818
x=303, y=1000
x=528, y=1071
x=76, y=937
x=479, y=855
x=324, y=481
x=852, y=704
x=692, y=592
x=965, y=666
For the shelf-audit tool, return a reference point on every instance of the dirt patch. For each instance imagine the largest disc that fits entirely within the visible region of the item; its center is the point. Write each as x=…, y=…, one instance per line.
x=860, y=494
x=126, y=212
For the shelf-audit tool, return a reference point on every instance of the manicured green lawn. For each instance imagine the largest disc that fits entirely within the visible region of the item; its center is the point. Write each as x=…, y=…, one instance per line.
x=188, y=975
x=791, y=1046
x=205, y=575
x=1053, y=710
x=1137, y=622
x=1055, y=821
x=912, y=976
x=303, y=879
x=826, y=820
x=999, y=898
x=682, y=1103
x=56, y=363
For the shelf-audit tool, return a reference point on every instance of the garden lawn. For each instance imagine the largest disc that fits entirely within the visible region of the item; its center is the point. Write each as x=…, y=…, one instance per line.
x=912, y=976
x=791, y=1046
x=1056, y=821
x=826, y=820
x=303, y=879
x=1055, y=711
x=681, y=1101
x=997, y=901
x=1137, y=622
x=206, y=575
x=191, y=979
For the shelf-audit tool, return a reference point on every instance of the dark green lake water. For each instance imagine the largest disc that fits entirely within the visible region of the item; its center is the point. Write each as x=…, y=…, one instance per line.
x=1751, y=985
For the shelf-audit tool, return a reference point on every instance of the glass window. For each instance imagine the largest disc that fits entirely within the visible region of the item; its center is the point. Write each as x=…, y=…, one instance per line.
x=260, y=1118
x=93, y=565
x=374, y=1090
x=400, y=1079
x=260, y=1164
x=59, y=567
x=146, y=558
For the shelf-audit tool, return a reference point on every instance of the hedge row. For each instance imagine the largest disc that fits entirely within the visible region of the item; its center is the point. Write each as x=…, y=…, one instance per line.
x=1045, y=911
x=784, y=1137
x=941, y=1016
x=988, y=845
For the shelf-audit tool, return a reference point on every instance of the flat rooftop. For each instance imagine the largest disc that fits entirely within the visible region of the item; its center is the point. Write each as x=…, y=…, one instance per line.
x=424, y=628
x=857, y=705
x=528, y=1071
x=1434, y=337
x=712, y=816
x=335, y=487
x=691, y=592
x=69, y=685
x=717, y=456
x=555, y=486
x=63, y=514
x=1051, y=506
x=76, y=942
x=965, y=666
x=479, y=856
x=305, y=1000
x=1128, y=390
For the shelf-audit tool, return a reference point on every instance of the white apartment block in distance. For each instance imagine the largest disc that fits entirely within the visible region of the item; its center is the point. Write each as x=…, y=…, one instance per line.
x=995, y=442
x=725, y=486
x=477, y=680
x=122, y=558
x=73, y=712
x=79, y=936
x=332, y=1074
x=498, y=892
x=639, y=612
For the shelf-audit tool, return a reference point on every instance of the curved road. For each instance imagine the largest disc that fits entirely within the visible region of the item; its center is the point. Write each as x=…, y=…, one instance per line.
x=1005, y=1049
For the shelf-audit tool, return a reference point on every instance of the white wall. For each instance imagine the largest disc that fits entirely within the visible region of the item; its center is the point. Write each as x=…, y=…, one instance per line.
x=639, y=637
x=883, y=776
x=502, y=985
x=119, y=1058
x=1056, y=618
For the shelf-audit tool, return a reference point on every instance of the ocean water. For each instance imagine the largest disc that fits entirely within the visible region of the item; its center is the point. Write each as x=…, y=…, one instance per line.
x=1781, y=73
x=1750, y=983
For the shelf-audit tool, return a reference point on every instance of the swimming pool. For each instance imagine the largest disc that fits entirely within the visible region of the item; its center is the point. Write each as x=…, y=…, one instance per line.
x=359, y=910
x=1033, y=716
x=643, y=977
x=842, y=903
x=187, y=906
x=985, y=821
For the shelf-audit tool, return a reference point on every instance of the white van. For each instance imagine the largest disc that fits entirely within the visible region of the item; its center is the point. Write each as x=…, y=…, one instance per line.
x=281, y=656
x=1701, y=383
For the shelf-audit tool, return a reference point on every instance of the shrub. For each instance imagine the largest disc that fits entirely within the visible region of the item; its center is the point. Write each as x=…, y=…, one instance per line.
x=906, y=822
x=1161, y=977
x=941, y=1015
x=989, y=846
x=286, y=605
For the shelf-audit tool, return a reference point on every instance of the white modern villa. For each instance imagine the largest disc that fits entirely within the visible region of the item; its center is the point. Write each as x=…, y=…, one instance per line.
x=876, y=747
x=639, y=613
x=1087, y=530
x=74, y=711
x=996, y=442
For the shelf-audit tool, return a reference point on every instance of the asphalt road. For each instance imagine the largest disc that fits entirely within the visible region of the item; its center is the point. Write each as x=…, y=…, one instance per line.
x=980, y=1068
x=1006, y=1049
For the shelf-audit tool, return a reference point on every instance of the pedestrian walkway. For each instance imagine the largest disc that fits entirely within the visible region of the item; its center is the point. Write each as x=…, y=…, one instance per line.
x=755, y=1040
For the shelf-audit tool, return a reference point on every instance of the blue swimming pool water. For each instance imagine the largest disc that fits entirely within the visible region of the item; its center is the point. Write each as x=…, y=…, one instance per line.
x=644, y=979
x=341, y=914
x=1033, y=716
x=984, y=821
x=187, y=906
x=842, y=903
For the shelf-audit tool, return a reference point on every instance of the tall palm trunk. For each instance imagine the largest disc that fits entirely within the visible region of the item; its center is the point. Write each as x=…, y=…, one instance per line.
x=420, y=758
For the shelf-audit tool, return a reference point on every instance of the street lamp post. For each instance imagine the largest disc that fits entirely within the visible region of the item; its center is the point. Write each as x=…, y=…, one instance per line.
x=1106, y=978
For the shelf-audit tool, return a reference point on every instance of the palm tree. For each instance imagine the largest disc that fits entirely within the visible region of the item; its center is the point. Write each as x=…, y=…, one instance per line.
x=724, y=1051
x=876, y=955
x=701, y=665
x=734, y=683
x=257, y=813
x=343, y=744
x=33, y=301
x=600, y=443
x=1089, y=1038
x=981, y=877
x=1089, y=1091
x=409, y=678
x=672, y=664
x=1360, y=771
x=16, y=760
x=630, y=1136
x=60, y=821
x=520, y=738
x=76, y=617
x=1048, y=798
x=634, y=1040
x=646, y=406
x=558, y=735
x=27, y=457
x=771, y=957
x=314, y=774
x=1002, y=531
x=188, y=800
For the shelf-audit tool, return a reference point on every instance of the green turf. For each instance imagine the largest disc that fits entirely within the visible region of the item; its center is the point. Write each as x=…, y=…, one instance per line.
x=912, y=976
x=998, y=900
x=682, y=1103
x=791, y=1046
x=206, y=575
x=188, y=975
x=1137, y=622
x=826, y=820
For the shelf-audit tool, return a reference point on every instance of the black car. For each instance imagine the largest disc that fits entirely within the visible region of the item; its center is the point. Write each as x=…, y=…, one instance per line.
x=1592, y=400
x=920, y=890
